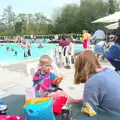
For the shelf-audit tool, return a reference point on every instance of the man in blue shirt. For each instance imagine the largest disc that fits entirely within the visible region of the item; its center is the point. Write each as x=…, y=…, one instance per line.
x=113, y=54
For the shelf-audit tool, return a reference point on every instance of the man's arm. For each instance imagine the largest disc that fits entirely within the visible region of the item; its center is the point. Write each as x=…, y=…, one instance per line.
x=104, y=35
x=117, y=33
x=94, y=36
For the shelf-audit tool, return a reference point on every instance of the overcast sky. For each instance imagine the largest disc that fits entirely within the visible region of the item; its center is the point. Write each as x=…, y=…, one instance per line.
x=32, y=6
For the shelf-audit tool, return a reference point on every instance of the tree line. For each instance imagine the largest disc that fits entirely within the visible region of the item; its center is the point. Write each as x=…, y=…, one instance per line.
x=71, y=18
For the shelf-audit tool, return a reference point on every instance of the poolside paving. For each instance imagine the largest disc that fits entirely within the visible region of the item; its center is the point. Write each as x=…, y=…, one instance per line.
x=14, y=79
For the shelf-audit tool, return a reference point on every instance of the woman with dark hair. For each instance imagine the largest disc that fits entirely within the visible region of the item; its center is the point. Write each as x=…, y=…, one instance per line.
x=102, y=85
x=64, y=42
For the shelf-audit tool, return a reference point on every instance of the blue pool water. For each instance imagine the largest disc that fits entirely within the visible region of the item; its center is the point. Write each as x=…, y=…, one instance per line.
x=35, y=52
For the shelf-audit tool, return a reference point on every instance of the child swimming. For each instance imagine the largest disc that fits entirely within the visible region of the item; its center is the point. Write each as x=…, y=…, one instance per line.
x=8, y=49
x=44, y=81
x=29, y=52
x=12, y=49
x=15, y=53
x=40, y=45
x=29, y=49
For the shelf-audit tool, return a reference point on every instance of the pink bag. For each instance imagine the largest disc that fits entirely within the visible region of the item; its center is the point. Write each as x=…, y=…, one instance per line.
x=29, y=93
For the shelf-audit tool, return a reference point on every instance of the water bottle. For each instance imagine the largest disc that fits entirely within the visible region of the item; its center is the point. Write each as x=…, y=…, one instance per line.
x=1, y=102
x=66, y=112
x=3, y=108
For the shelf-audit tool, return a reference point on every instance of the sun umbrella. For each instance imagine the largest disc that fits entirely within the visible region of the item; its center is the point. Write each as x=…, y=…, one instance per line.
x=112, y=26
x=110, y=18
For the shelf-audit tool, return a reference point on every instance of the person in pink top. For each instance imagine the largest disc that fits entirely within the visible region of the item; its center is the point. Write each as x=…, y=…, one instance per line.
x=64, y=42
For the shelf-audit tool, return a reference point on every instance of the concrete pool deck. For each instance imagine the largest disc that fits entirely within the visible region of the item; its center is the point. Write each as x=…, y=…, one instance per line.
x=14, y=79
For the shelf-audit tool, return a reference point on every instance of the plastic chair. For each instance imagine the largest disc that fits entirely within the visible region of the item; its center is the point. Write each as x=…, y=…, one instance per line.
x=35, y=65
x=72, y=54
x=57, y=56
x=67, y=55
x=32, y=66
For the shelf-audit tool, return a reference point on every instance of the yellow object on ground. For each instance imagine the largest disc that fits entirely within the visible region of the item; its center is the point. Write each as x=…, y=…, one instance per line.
x=35, y=101
x=88, y=110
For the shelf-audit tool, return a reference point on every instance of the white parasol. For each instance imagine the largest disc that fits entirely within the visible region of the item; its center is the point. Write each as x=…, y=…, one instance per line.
x=110, y=18
x=112, y=26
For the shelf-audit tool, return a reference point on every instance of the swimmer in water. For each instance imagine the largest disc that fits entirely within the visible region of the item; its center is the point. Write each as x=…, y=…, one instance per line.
x=15, y=53
x=12, y=49
x=8, y=49
x=25, y=55
x=29, y=49
x=29, y=52
x=40, y=46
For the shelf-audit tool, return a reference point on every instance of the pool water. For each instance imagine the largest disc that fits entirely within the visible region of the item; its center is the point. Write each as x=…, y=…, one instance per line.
x=7, y=57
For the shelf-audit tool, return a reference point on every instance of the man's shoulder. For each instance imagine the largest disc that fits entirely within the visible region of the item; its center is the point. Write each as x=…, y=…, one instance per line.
x=118, y=28
x=99, y=31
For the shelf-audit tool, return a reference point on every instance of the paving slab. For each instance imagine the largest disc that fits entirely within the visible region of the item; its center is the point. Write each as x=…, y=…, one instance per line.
x=5, y=85
x=4, y=94
x=18, y=90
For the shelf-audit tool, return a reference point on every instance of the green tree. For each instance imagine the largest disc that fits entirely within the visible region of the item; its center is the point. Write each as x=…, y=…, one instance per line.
x=8, y=16
x=22, y=17
x=71, y=18
x=65, y=21
x=90, y=11
x=41, y=23
x=112, y=6
x=18, y=28
x=74, y=18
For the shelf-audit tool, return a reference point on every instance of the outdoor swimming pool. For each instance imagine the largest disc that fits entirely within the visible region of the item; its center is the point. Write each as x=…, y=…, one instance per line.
x=8, y=57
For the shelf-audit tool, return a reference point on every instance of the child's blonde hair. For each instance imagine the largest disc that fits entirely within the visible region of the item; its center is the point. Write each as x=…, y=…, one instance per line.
x=44, y=59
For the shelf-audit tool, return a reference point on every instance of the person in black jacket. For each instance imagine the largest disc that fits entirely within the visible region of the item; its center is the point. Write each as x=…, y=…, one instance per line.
x=118, y=33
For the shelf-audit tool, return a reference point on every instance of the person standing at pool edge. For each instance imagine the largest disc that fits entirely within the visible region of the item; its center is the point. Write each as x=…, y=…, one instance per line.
x=102, y=85
x=64, y=42
x=99, y=35
x=29, y=49
x=86, y=39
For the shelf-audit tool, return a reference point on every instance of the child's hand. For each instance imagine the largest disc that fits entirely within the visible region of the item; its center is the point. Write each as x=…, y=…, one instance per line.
x=58, y=80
